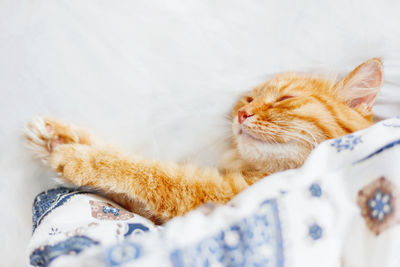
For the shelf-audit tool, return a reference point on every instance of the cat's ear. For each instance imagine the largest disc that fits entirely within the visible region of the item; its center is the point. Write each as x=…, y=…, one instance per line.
x=361, y=86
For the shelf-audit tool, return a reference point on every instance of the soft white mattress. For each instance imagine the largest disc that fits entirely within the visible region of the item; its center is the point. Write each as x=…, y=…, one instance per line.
x=159, y=77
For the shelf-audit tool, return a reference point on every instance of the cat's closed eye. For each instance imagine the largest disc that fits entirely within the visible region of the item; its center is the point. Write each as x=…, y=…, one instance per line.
x=283, y=98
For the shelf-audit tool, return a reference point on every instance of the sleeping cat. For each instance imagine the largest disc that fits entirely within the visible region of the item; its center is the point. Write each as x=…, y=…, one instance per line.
x=275, y=127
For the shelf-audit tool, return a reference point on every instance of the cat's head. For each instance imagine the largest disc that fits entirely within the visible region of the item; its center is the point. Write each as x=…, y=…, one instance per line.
x=285, y=117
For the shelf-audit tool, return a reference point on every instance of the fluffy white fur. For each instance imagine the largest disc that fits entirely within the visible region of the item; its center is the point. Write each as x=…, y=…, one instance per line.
x=116, y=67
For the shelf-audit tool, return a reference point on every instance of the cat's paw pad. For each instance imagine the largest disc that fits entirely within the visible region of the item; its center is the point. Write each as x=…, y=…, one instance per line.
x=44, y=134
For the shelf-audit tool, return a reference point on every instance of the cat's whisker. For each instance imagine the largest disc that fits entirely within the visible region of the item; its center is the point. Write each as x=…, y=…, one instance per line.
x=298, y=137
x=299, y=128
x=265, y=134
x=288, y=131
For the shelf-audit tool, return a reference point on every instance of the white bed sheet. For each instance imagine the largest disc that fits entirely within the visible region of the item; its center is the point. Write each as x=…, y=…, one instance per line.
x=159, y=77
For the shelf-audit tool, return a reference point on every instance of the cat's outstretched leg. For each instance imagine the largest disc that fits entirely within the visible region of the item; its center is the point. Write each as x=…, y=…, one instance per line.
x=166, y=189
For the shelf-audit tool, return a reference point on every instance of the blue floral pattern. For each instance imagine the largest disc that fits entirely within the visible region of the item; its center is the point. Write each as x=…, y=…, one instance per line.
x=254, y=241
x=44, y=255
x=122, y=253
x=136, y=229
x=380, y=150
x=377, y=203
x=315, y=231
x=102, y=210
x=47, y=201
x=54, y=231
x=380, y=205
x=348, y=142
x=114, y=211
x=315, y=190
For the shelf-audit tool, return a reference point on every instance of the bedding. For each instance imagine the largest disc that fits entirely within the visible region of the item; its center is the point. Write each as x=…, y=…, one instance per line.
x=158, y=77
x=342, y=208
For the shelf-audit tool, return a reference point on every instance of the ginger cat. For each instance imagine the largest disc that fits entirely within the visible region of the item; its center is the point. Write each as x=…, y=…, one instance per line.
x=275, y=127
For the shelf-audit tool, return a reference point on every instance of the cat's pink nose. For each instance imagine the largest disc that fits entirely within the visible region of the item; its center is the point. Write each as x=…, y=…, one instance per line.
x=242, y=115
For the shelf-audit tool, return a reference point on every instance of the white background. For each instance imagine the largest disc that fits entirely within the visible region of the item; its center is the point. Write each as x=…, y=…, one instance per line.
x=159, y=77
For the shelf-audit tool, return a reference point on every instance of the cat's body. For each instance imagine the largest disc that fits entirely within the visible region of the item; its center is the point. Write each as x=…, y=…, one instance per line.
x=275, y=128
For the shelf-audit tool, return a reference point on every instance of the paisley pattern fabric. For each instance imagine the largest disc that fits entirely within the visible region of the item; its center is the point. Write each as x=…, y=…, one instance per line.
x=348, y=142
x=68, y=222
x=379, y=203
x=43, y=255
x=340, y=209
x=107, y=211
x=258, y=236
x=47, y=201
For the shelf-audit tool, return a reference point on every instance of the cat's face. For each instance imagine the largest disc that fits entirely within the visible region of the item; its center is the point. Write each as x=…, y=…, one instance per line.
x=288, y=115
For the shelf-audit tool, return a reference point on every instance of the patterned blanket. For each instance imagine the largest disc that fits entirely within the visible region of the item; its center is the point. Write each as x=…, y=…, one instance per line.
x=340, y=209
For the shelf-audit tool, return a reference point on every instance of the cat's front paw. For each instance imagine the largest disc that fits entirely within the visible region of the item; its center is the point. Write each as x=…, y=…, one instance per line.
x=44, y=134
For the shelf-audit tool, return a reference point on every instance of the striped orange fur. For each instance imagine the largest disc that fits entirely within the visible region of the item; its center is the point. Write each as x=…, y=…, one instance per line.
x=275, y=127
